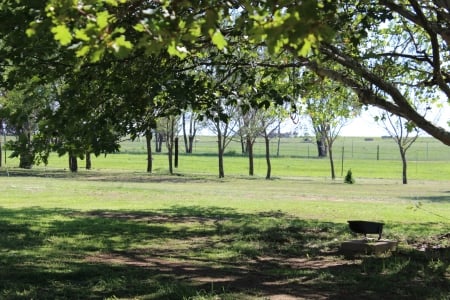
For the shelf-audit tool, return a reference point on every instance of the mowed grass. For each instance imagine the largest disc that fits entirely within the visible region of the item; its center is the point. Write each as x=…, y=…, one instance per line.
x=117, y=232
x=132, y=235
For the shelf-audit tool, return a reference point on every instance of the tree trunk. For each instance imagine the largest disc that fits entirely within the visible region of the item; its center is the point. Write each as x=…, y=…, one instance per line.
x=322, y=147
x=176, y=152
x=279, y=140
x=170, y=156
x=73, y=163
x=185, y=135
x=26, y=156
x=220, y=154
x=244, y=148
x=148, y=141
x=170, y=143
x=250, y=157
x=1, y=153
x=269, y=166
x=158, y=142
x=25, y=161
x=191, y=143
x=88, y=161
x=330, y=154
x=404, y=166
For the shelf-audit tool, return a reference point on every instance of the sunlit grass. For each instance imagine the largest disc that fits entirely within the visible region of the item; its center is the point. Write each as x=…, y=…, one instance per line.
x=116, y=232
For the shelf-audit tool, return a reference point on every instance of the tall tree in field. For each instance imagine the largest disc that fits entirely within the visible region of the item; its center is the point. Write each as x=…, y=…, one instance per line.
x=271, y=123
x=168, y=127
x=404, y=135
x=329, y=106
x=219, y=85
x=22, y=112
x=224, y=123
x=262, y=92
x=190, y=127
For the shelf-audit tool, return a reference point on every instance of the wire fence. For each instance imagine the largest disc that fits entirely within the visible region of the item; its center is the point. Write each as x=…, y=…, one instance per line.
x=424, y=149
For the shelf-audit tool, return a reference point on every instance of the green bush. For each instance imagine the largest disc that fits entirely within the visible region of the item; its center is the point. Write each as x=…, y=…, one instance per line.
x=349, y=177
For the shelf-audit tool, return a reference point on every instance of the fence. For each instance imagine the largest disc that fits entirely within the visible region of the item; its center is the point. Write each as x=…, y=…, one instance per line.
x=424, y=149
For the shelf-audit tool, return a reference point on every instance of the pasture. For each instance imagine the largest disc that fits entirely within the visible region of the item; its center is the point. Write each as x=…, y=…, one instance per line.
x=116, y=232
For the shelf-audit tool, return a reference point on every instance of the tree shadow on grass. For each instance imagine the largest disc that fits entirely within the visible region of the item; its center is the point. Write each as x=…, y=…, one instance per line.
x=192, y=251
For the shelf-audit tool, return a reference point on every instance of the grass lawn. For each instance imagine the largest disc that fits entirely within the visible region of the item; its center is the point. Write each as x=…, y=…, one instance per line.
x=115, y=234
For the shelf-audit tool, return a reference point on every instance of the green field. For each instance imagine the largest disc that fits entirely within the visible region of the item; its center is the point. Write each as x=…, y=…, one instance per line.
x=428, y=159
x=117, y=232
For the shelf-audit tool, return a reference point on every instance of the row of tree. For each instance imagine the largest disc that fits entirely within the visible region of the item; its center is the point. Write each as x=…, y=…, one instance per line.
x=75, y=79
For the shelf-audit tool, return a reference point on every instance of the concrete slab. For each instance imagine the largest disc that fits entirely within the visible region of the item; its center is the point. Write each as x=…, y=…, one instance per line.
x=368, y=246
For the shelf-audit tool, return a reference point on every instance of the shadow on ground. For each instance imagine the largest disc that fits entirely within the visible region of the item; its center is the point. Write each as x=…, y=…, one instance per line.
x=190, y=252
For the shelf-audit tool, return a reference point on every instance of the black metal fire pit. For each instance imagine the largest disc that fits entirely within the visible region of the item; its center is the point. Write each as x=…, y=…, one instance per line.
x=366, y=227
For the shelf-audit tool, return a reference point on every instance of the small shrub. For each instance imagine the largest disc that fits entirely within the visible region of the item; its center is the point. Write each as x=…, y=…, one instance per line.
x=349, y=177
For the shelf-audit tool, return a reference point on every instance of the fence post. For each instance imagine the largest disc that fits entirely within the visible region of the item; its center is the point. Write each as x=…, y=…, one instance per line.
x=342, y=163
x=378, y=152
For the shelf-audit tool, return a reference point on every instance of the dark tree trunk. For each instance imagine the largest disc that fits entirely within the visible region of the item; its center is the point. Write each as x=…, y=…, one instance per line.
x=191, y=143
x=269, y=166
x=73, y=163
x=26, y=160
x=88, y=161
x=220, y=154
x=170, y=157
x=170, y=144
x=26, y=157
x=148, y=141
x=176, y=152
x=250, y=157
x=330, y=153
x=185, y=135
x=322, y=147
x=243, y=146
x=404, y=166
x=158, y=142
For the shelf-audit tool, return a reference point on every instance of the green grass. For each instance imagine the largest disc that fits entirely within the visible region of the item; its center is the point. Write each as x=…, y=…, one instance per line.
x=428, y=159
x=116, y=232
x=131, y=235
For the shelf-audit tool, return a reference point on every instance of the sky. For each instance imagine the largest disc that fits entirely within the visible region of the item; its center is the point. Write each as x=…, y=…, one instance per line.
x=365, y=125
x=362, y=126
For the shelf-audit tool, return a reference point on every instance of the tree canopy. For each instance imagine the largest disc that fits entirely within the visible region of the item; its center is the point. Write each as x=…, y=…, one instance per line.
x=127, y=57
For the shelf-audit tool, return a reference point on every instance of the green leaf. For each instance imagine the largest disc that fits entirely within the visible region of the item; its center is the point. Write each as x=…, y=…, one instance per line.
x=97, y=55
x=81, y=35
x=83, y=51
x=219, y=40
x=175, y=50
x=102, y=19
x=139, y=27
x=62, y=34
x=122, y=47
x=30, y=32
x=112, y=2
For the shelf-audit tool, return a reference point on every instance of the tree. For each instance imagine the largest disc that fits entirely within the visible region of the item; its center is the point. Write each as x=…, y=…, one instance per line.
x=225, y=125
x=23, y=109
x=341, y=33
x=168, y=126
x=189, y=117
x=184, y=27
x=404, y=134
x=250, y=130
x=329, y=106
x=259, y=91
x=271, y=122
x=382, y=49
